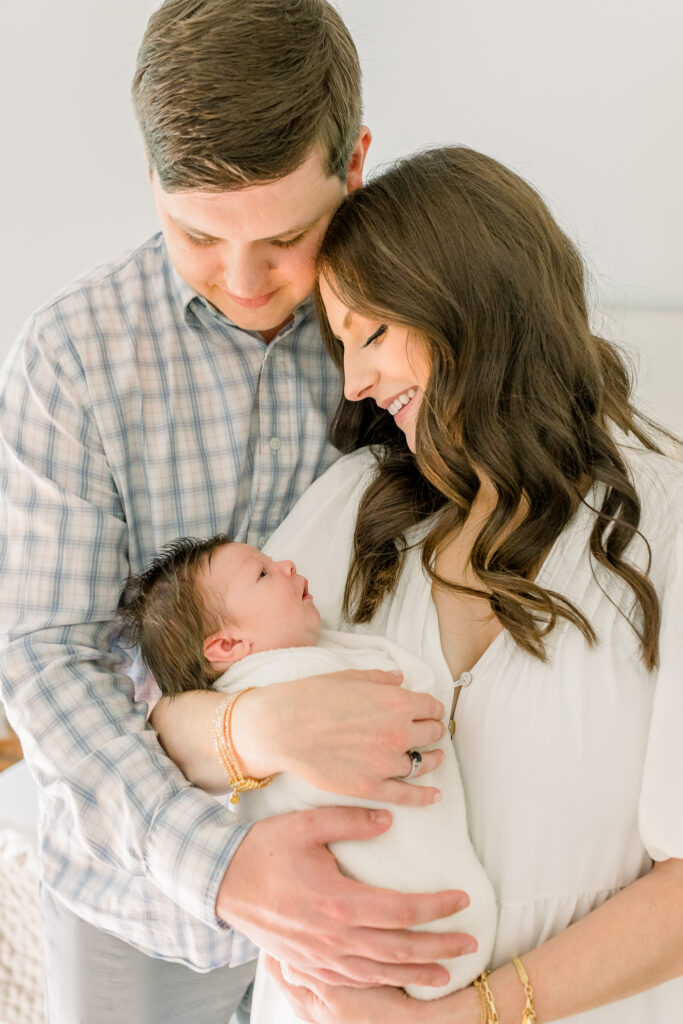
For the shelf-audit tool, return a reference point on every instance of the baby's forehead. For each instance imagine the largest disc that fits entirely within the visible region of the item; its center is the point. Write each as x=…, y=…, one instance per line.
x=231, y=557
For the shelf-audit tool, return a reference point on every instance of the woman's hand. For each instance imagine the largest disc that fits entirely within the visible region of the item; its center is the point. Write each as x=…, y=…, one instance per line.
x=314, y=1001
x=345, y=732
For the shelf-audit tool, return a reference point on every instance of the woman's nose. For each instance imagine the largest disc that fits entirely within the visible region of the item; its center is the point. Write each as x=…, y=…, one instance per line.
x=359, y=378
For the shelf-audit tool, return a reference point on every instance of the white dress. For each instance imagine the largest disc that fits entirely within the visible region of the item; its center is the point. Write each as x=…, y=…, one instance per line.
x=573, y=768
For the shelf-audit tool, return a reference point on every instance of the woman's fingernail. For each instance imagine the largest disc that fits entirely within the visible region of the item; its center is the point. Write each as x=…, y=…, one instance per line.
x=470, y=947
x=437, y=798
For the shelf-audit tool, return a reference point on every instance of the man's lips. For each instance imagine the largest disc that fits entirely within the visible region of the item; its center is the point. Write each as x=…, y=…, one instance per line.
x=256, y=302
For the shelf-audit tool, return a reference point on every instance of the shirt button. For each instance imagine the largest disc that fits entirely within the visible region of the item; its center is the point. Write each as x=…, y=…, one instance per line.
x=261, y=541
x=275, y=443
x=465, y=679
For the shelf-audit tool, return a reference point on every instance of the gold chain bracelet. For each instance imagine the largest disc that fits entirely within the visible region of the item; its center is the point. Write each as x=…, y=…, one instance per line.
x=222, y=735
x=529, y=1015
x=488, y=1007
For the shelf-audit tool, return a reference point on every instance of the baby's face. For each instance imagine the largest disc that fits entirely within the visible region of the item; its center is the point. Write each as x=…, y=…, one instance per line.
x=267, y=603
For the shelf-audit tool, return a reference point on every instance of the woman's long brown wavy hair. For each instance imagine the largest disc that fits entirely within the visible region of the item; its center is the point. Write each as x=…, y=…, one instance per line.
x=460, y=249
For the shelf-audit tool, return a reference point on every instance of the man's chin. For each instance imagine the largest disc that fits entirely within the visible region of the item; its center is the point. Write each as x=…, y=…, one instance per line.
x=265, y=319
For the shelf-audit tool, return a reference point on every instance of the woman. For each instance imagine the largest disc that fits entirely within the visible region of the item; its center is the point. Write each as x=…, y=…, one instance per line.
x=517, y=526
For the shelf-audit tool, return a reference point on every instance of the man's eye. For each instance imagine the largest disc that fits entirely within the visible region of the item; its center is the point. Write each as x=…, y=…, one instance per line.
x=287, y=243
x=201, y=242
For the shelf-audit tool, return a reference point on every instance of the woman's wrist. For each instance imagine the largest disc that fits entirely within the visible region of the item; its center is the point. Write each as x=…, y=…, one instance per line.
x=256, y=724
x=462, y=1007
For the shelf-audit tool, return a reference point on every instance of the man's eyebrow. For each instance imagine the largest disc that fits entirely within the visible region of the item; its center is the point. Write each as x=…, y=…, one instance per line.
x=290, y=232
x=190, y=230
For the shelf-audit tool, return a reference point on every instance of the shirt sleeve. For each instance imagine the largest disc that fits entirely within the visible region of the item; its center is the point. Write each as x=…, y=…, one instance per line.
x=63, y=560
x=661, y=803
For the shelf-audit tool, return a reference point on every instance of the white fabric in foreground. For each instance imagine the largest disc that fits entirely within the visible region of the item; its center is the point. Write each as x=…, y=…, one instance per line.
x=427, y=848
x=572, y=769
x=21, y=964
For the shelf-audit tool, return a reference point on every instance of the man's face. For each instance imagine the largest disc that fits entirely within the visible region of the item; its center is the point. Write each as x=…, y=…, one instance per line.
x=251, y=252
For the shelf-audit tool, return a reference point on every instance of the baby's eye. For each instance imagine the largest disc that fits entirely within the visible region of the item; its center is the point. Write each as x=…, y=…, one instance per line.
x=262, y=574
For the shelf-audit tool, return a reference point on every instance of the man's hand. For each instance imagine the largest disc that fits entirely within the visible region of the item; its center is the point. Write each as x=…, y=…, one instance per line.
x=284, y=890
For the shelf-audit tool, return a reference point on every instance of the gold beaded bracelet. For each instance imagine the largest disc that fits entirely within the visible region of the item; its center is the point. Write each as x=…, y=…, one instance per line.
x=488, y=1007
x=529, y=1015
x=226, y=752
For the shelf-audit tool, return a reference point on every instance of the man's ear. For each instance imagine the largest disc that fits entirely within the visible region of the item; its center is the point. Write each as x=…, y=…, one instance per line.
x=221, y=649
x=354, y=174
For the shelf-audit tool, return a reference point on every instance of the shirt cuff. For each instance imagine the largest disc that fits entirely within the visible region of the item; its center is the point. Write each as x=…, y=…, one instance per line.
x=190, y=844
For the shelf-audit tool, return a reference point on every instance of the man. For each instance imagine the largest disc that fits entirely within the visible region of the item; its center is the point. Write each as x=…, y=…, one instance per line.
x=182, y=390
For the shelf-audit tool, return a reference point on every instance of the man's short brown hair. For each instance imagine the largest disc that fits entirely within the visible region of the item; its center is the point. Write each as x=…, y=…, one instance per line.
x=162, y=610
x=229, y=93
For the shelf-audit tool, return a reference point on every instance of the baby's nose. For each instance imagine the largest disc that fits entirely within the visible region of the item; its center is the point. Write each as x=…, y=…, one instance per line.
x=288, y=567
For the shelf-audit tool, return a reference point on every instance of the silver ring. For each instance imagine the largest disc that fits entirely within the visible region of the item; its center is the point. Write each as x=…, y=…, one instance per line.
x=416, y=759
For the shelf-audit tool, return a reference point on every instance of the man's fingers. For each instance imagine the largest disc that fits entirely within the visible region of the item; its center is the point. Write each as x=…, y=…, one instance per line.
x=364, y=906
x=333, y=824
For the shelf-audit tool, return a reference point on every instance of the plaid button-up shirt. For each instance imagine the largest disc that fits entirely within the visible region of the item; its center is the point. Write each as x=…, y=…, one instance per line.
x=133, y=412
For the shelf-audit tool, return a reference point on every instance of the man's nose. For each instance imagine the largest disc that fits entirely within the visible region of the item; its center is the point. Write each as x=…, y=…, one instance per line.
x=244, y=274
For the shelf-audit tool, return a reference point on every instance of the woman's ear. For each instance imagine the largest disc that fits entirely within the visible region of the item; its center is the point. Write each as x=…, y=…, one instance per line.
x=221, y=649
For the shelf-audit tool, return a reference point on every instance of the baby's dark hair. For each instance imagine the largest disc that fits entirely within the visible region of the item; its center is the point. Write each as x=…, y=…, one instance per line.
x=162, y=611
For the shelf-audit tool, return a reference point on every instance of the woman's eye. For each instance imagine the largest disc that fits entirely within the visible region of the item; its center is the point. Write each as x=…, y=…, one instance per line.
x=381, y=330
x=287, y=243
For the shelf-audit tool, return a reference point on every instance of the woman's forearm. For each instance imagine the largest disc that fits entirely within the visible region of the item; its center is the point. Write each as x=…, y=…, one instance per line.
x=631, y=943
x=185, y=725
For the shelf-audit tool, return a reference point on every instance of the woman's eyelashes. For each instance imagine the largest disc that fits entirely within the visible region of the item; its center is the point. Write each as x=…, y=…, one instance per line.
x=382, y=329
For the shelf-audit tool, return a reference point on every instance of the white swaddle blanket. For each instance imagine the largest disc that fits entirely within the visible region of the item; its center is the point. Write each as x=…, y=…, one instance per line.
x=425, y=850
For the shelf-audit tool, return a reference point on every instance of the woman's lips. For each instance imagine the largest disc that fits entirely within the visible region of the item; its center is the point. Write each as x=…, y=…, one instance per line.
x=403, y=411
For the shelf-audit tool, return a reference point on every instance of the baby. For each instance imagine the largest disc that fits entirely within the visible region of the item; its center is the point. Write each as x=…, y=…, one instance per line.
x=222, y=614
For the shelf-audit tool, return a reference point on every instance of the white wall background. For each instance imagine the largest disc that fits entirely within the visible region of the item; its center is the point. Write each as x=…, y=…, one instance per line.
x=582, y=98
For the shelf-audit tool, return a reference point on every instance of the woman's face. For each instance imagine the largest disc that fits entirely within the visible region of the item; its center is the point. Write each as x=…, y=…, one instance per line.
x=383, y=360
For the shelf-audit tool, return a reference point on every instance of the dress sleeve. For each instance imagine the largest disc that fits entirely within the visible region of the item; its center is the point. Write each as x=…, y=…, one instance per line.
x=661, y=802
x=63, y=560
